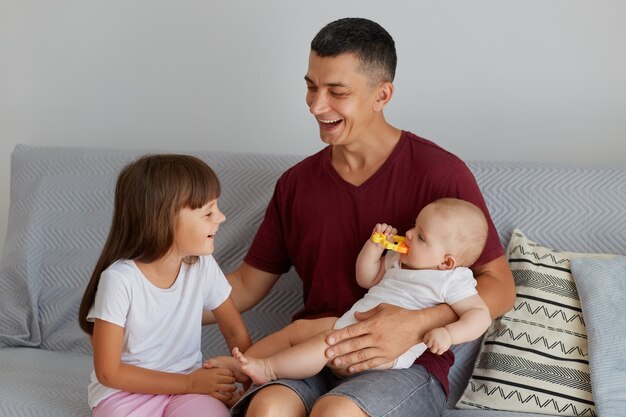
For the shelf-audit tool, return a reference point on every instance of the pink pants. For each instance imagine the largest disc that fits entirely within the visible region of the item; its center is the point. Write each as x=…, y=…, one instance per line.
x=127, y=404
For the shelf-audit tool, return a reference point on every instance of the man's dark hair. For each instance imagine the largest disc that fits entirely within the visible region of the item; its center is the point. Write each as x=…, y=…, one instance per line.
x=370, y=42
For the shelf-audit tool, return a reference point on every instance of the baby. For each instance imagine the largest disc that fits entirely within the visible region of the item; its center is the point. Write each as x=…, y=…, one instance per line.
x=448, y=237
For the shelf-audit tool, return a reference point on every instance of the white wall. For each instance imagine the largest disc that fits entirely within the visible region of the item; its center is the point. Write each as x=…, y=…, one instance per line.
x=488, y=79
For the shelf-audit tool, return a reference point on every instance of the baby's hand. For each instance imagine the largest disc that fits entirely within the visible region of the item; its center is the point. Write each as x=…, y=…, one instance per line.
x=386, y=229
x=438, y=340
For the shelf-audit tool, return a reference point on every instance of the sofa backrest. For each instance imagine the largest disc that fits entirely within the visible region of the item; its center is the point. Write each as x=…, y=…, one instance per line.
x=59, y=215
x=566, y=207
x=61, y=205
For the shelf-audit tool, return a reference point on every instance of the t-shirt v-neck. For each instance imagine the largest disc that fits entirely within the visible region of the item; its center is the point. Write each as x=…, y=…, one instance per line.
x=385, y=166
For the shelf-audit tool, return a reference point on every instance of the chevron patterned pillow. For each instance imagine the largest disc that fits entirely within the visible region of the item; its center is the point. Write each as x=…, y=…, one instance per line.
x=534, y=358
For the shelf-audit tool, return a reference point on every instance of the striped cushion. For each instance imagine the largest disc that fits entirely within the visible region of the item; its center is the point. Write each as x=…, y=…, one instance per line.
x=535, y=357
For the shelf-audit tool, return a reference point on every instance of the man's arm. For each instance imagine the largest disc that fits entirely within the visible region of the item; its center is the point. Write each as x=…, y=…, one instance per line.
x=496, y=286
x=250, y=285
x=387, y=331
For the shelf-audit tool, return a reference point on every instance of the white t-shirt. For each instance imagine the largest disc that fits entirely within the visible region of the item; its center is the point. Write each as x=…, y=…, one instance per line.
x=162, y=327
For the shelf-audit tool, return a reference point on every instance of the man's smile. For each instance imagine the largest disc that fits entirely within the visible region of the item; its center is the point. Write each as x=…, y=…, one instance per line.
x=330, y=123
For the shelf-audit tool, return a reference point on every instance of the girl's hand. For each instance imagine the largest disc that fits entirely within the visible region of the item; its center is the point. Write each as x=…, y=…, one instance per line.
x=229, y=363
x=234, y=397
x=217, y=382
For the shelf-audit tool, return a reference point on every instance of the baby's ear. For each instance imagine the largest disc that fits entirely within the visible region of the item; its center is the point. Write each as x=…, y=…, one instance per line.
x=448, y=262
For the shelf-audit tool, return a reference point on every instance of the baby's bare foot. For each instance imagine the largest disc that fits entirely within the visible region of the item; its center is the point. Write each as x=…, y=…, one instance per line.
x=239, y=356
x=218, y=362
x=259, y=370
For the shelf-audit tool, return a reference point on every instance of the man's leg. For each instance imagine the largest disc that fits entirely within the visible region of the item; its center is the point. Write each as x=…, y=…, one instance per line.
x=276, y=400
x=336, y=405
x=391, y=393
x=284, y=397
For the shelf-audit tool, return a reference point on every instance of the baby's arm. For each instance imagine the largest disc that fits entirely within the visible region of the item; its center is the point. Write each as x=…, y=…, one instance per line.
x=370, y=267
x=112, y=372
x=474, y=319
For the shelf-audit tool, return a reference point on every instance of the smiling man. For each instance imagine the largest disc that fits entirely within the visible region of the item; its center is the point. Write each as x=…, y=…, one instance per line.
x=322, y=210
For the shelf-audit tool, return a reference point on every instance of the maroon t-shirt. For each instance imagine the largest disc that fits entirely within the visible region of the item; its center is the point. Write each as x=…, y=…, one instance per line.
x=318, y=223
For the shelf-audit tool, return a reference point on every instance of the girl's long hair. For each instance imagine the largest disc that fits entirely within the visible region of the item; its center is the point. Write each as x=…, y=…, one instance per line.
x=148, y=196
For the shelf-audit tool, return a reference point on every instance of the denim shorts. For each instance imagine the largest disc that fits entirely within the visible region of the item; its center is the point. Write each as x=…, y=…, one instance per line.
x=390, y=393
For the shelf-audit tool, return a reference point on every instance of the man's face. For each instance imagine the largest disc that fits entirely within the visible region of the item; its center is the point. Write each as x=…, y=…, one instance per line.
x=341, y=98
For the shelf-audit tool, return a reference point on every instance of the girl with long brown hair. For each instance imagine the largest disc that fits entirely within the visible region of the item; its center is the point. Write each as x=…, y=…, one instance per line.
x=143, y=305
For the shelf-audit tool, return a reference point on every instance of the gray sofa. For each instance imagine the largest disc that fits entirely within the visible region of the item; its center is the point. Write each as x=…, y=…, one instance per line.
x=61, y=201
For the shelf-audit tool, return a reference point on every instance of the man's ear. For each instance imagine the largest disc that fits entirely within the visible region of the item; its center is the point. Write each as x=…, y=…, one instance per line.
x=448, y=262
x=383, y=95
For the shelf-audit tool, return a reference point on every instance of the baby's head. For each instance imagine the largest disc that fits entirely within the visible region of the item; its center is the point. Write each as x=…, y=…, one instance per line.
x=448, y=233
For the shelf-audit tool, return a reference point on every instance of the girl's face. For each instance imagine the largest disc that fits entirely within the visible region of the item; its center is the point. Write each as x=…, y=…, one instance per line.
x=196, y=228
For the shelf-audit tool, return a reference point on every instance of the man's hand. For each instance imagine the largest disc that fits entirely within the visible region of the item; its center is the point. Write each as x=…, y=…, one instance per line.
x=383, y=333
